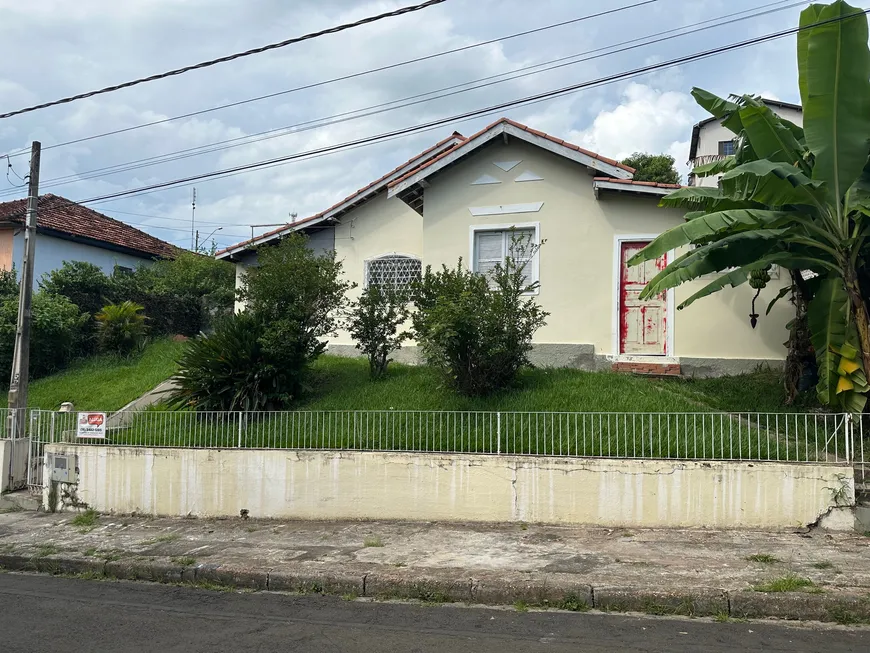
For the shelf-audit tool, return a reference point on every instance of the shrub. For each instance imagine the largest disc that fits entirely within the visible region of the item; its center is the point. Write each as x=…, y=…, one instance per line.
x=230, y=370
x=181, y=295
x=8, y=284
x=298, y=296
x=122, y=328
x=84, y=284
x=168, y=313
x=57, y=329
x=476, y=330
x=374, y=323
x=207, y=281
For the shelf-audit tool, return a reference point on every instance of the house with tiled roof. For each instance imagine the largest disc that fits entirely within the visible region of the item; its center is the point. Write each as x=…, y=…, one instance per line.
x=67, y=231
x=472, y=197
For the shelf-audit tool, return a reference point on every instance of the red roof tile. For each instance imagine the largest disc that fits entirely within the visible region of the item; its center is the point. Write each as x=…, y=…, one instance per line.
x=64, y=216
x=632, y=182
x=251, y=241
x=518, y=125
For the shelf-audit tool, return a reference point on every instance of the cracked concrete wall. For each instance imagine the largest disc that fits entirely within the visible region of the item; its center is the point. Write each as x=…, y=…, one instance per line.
x=455, y=487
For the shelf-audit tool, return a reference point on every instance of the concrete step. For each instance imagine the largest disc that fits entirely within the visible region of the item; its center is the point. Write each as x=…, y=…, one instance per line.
x=19, y=500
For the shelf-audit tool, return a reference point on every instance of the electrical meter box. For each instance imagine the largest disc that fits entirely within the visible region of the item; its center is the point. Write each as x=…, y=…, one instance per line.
x=63, y=467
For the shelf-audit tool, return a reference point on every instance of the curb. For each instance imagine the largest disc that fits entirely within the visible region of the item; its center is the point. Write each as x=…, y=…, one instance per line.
x=845, y=607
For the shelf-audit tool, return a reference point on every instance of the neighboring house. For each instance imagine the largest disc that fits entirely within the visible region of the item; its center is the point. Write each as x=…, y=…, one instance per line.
x=67, y=231
x=461, y=197
x=712, y=142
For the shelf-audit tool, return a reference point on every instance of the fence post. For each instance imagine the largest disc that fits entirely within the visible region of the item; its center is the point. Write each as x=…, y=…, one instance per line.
x=241, y=416
x=498, y=432
x=850, y=436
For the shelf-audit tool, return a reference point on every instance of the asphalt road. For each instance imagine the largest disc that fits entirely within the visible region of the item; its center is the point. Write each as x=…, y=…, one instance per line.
x=43, y=613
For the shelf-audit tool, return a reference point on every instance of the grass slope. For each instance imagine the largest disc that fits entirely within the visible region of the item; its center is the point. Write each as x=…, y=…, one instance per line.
x=344, y=384
x=105, y=382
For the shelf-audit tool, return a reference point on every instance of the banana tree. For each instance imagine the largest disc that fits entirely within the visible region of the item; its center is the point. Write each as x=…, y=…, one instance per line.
x=794, y=197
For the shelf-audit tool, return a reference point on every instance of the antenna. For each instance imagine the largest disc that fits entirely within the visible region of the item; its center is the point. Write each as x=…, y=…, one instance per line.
x=193, y=220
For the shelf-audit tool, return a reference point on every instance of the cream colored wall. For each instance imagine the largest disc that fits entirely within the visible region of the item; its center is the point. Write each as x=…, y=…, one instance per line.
x=378, y=227
x=452, y=487
x=577, y=269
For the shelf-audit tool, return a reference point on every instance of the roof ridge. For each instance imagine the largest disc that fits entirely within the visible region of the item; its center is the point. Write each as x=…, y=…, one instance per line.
x=525, y=128
x=359, y=191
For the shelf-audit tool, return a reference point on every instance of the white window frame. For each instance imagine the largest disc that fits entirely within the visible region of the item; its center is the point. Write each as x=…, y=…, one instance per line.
x=387, y=255
x=617, y=322
x=535, y=272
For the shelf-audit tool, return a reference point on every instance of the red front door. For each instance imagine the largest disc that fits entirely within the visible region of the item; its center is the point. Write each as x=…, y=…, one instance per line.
x=642, y=323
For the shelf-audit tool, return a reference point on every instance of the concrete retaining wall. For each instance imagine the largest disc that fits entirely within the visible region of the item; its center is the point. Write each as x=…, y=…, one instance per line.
x=450, y=487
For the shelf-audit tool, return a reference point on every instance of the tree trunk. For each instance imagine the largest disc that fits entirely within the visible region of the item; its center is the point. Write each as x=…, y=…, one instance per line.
x=800, y=348
x=862, y=317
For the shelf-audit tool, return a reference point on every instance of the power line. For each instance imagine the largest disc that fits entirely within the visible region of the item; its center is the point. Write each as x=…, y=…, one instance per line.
x=414, y=99
x=163, y=217
x=463, y=117
x=475, y=113
x=346, y=77
x=231, y=57
x=9, y=169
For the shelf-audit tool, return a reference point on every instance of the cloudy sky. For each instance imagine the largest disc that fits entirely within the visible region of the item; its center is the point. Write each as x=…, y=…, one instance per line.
x=55, y=48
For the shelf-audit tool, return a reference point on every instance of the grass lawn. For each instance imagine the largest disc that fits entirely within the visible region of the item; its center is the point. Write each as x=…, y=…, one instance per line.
x=410, y=409
x=344, y=384
x=105, y=382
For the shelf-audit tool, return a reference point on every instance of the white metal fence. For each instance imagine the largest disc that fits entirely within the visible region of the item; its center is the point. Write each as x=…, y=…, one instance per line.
x=699, y=436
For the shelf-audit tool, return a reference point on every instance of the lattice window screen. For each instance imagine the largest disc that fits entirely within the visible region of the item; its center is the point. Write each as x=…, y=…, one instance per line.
x=393, y=271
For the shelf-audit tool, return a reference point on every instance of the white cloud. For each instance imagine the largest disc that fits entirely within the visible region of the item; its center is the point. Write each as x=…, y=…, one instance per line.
x=646, y=120
x=92, y=43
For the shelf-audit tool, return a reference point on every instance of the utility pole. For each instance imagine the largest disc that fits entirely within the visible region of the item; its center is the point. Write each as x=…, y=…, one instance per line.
x=196, y=246
x=21, y=358
x=193, y=220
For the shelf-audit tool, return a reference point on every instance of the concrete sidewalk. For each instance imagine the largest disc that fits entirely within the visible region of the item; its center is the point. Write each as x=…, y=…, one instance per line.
x=694, y=572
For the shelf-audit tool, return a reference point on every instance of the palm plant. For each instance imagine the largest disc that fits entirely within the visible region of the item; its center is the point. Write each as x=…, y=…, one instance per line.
x=122, y=327
x=794, y=197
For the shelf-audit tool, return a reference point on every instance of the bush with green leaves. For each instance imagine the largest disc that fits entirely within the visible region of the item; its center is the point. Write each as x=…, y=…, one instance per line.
x=197, y=275
x=122, y=328
x=84, y=284
x=57, y=329
x=8, y=284
x=181, y=295
x=374, y=321
x=476, y=330
x=230, y=370
x=299, y=296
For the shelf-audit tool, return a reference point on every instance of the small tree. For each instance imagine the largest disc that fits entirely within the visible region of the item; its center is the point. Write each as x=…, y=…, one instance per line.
x=478, y=330
x=299, y=297
x=374, y=322
x=122, y=328
x=660, y=168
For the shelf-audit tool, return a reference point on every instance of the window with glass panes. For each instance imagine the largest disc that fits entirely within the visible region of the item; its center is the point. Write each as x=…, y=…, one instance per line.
x=493, y=247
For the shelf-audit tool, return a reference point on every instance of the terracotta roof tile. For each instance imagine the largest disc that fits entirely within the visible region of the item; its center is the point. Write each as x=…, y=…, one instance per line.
x=64, y=216
x=632, y=182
